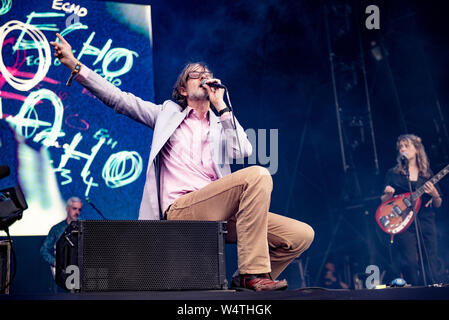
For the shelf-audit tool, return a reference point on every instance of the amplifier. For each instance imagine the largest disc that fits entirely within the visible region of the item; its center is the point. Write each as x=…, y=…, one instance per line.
x=142, y=255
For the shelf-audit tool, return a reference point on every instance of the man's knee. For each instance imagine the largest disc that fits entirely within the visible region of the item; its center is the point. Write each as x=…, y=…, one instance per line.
x=309, y=235
x=259, y=175
x=304, y=237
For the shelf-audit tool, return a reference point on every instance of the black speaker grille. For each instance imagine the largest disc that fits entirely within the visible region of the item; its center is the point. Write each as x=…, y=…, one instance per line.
x=151, y=255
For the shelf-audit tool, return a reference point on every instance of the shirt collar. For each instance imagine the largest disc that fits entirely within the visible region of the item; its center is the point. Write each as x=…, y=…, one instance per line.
x=191, y=111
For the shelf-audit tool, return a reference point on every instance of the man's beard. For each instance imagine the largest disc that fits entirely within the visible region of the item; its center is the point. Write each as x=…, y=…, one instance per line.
x=199, y=96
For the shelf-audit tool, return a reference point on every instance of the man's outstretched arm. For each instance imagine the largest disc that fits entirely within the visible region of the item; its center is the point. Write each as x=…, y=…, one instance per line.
x=122, y=102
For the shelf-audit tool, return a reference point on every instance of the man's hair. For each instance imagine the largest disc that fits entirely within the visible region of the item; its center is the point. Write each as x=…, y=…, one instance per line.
x=72, y=200
x=421, y=157
x=182, y=80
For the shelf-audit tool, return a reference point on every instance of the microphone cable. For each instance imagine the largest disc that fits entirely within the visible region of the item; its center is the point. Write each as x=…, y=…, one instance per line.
x=95, y=208
x=233, y=121
x=222, y=86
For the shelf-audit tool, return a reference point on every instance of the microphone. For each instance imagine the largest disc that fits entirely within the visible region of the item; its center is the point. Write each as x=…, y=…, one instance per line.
x=212, y=84
x=404, y=160
x=4, y=171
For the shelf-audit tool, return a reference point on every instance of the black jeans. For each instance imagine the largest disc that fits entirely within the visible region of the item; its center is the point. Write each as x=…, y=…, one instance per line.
x=408, y=255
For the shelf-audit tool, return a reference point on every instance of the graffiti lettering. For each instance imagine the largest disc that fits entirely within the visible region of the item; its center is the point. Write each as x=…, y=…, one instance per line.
x=43, y=50
x=69, y=8
x=28, y=118
x=41, y=116
x=122, y=168
x=108, y=56
x=103, y=133
x=6, y=6
x=70, y=153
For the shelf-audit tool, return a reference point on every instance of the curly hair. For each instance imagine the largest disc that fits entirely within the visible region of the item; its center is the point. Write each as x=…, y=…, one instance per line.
x=182, y=80
x=422, y=160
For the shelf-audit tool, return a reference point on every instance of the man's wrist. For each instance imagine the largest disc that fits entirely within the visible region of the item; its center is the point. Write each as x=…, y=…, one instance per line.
x=71, y=64
x=76, y=69
x=224, y=110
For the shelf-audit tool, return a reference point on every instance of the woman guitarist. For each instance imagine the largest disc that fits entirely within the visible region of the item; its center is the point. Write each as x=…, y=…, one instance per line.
x=411, y=153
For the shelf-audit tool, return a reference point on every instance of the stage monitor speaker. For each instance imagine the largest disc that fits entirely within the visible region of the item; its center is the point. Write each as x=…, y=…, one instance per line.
x=5, y=262
x=143, y=255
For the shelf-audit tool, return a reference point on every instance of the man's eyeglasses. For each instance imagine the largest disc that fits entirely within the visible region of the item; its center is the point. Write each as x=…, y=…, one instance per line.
x=197, y=74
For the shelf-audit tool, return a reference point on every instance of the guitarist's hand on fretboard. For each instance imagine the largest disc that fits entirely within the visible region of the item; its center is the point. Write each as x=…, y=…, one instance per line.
x=430, y=189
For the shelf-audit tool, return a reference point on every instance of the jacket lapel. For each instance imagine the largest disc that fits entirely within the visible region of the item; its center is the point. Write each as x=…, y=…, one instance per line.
x=166, y=131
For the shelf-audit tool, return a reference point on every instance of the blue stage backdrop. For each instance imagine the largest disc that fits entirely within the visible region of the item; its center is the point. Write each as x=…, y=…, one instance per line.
x=68, y=143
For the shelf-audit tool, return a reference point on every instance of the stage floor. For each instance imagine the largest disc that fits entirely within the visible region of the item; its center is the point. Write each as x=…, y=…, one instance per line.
x=408, y=293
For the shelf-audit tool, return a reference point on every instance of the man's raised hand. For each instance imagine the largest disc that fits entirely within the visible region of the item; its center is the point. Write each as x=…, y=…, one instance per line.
x=63, y=51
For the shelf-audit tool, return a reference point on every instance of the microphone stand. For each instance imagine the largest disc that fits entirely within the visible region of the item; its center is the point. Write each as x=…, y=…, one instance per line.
x=412, y=207
x=95, y=208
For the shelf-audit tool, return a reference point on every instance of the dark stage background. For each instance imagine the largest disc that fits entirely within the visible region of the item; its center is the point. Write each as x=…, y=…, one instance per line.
x=274, y=56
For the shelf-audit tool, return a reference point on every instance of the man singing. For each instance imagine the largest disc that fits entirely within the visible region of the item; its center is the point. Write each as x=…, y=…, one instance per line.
x=189, y=177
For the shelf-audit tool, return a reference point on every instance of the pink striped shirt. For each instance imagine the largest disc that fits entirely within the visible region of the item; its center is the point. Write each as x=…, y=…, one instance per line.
x=186, y=159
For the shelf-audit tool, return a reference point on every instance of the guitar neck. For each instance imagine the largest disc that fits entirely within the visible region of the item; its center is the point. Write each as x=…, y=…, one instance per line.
x=440, y=175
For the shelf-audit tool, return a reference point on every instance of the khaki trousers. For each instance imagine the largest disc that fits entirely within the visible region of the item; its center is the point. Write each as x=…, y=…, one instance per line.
x=266, y=242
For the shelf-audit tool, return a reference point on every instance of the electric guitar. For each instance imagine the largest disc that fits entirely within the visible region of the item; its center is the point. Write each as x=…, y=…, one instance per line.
x=395, y=215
